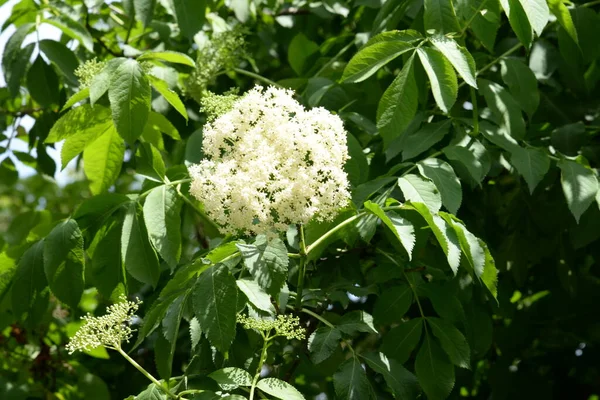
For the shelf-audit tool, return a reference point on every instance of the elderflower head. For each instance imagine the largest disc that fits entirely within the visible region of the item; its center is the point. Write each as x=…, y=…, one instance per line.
x=284, y=325
x=108, y=330
x=271, y=163
x=87, y=71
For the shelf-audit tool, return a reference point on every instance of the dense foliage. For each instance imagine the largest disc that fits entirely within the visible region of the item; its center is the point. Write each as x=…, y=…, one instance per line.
x=466, y=263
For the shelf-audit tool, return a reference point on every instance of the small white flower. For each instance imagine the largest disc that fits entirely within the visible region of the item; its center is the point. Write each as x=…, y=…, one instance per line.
x=270, y=163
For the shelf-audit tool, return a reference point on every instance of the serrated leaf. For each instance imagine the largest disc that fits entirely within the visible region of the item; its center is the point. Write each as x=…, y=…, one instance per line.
x=518, y=21
x=444, y=178
x=441, y=76
x=434, y=371
x=14, y=56
x=490, y=273
x=214, y=300
x=61, y=56
x=420, y=190
x=533, y=164
x=8, y=268
x=42, y=83
x=468, y=159
x=168, y=56
x=522, y=84
x=323, y=342
x=29, y=279
x=256, y=295
x=444, y=301
x=537, y=13
x=398, y=104
x=300, y=50
x=440, y=16
x=162, y=217
x=350, y=381
x=154, y=316
x=379, y=51
x=579, y=185
x=149, y=163
x=73, y=29
x=444, y=234
x=452, y=340
x=101, y=81
x=469, y=243
x=231, y=378
x=267, y=261
x=153, y=392
x=458, y=56
x=106, y=268
x=170, y=328
x=130, y=95
x=403, y=339
x=138, y=255
x=102, y=160
x=279, y=389
x=161, y=87
x=159, y=123
x=403, y=383
x=356, y=321
x=392, y=304
x=484, y=17
x=64, y=262
x=77, y=97
x=424, y=138
x=195, y=332
x=190, y=15
x=144, y=11
x=402, y=229
x=562, y=14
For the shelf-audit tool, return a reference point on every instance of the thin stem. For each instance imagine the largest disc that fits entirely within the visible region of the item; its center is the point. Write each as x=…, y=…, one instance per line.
x=495, y=61
x=301, y=267
x=145, y=373
x=198, y=210
x=334, y=58
x=256, y=76
x=590, y=4
x=475, y=112
x=317, y=316
x=464, y=29
x=261, y=361
x=330, y=232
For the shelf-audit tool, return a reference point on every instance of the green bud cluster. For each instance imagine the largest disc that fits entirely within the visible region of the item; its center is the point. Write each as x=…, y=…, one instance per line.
x=108, y=330
x=287, y=326
x=87, y=71
x=215, y=105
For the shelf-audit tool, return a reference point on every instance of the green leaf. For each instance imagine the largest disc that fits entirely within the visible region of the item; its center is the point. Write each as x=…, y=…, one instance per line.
x=149, y=163
x=42, y=83
x=469, y=159
x=64, y=262
x=129, y=94
x=161, y=87
x=214, y=299
x=441, y=76
x=484, y=16
x=160, y=123
x=190, y=15
x=533, y=164
x=568, y=139
x=195, y=332
x=518, y=21
x=434, y=371
x=256, y=295
x=357, y=166
x=403, y=383
x=77, y=97
x=537, y=13
x=102, y=160
x=138, y=255
x=279, y=389
x=522, y=84
x=323, y=342
x=168, y=56
x=61, y=56
x=14, y=58
x=423, y=139
x=81, y=121
x=421, y=190
x=8, y=268
x=580, y=186
x=350, y=381
x=356, y=321
x=458, y=56
x=402, y=340
x=106, y=267
x=231, y=378
x=444, y=178
x=379, y=51
x=469, y=243
x=162, y=216
x=73, y=29
x=29, y=280
x=490, y=273
x=444, y=234
x=439, y=16
x=402, y=229
x=562, y=14
x=392, y=304
x=267, y=261
x=101, y=82
x=154, y=316
x=300, y=51
x=144, y=11
x=444, y=301
x=398, y=104
x=153, y=392
x=96, y=209
x=452, y=340
x=165, y=349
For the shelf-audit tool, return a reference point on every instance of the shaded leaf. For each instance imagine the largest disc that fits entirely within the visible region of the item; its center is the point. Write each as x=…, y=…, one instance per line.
x=402, y=229
x=434, y=371
x=402, y=340
x=102, y=160
x=441, y=76
x=279, y=389
x=267, y=261
x=579, y=185
x=162, y=216
x=323, y=342
x=231, y=378
x=138, y=255
x=533, y=164
x=458, y=56
x=29, y=279
x=403, y=383
x=256, y=295
x=444, y=178
x=350, y=381
x=452, y=340
x=522, y=84
x=393, y=304
x=439, y=16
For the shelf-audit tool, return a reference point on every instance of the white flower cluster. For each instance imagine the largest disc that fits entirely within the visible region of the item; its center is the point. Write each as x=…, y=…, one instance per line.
x=108, y=330
x=271, y=163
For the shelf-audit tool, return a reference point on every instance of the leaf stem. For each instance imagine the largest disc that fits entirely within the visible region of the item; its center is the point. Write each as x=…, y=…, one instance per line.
x=317, y=316
x=334, y=58
x=470, y=21
x=145, y=373
x=261, y=361
x=301, y=267
x=257, y=77
x=475, y=111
